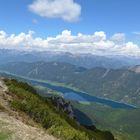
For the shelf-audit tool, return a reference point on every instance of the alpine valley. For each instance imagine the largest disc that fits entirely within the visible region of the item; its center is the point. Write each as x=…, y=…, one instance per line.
x=69, y=69
x=105, y=88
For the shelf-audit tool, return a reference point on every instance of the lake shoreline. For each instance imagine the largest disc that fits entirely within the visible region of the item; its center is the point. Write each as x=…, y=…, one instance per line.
x=65, y=89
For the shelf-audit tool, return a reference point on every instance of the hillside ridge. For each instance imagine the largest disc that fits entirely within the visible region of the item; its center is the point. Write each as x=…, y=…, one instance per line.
x=17, y=126
x=24, y=105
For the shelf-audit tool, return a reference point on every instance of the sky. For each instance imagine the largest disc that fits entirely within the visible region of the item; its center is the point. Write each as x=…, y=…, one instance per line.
x=82, y=26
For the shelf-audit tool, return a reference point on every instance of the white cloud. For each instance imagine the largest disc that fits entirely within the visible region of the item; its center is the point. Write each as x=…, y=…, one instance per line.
x=136, y=33
x=96, y=43
x=65, y=9
x=118, y=37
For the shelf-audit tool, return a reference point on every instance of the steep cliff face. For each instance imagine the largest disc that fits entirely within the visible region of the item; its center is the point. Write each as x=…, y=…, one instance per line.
x=62, y=105
x=74, y=114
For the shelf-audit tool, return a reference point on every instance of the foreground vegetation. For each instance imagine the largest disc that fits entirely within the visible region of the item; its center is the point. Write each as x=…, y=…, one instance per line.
x=41, y=110
x=4, y=135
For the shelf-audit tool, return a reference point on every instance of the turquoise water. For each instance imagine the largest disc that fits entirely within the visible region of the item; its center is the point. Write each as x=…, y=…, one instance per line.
x=74, y=95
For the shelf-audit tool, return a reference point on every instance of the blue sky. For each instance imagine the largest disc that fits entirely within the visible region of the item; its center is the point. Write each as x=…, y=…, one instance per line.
x=80, y=16
x=111, y=16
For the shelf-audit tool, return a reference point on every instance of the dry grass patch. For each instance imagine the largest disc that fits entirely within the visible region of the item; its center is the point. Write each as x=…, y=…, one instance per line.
x=2, y=108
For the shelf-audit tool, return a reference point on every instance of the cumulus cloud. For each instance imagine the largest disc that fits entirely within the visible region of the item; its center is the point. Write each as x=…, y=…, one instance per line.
x=96, y=43
x=21, y=41
x=118, y=37
x=65, y=9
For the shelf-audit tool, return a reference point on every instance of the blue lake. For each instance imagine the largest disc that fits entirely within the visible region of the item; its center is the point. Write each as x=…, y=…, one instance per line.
x=74, y=95
x=71, y=94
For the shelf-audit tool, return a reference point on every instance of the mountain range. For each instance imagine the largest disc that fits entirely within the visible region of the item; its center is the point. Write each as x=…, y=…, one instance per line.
x=82, y=60
x=117, y=84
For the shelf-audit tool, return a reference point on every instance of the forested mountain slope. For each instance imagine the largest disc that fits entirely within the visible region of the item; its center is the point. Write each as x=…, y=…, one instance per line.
x=120, y=84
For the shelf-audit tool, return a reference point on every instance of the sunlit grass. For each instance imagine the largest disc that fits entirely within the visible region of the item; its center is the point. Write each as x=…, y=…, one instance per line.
x=4, y=135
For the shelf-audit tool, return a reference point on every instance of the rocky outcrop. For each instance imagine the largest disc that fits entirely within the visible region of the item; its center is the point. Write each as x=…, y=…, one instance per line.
x=63, y=106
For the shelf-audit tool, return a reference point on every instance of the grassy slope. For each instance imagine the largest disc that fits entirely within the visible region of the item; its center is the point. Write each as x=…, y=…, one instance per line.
x=4, y=135
x=124, y=123
x=41, y=111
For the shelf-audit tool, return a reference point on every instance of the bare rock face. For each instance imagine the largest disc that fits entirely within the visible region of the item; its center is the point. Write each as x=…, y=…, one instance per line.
x=64, y=106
